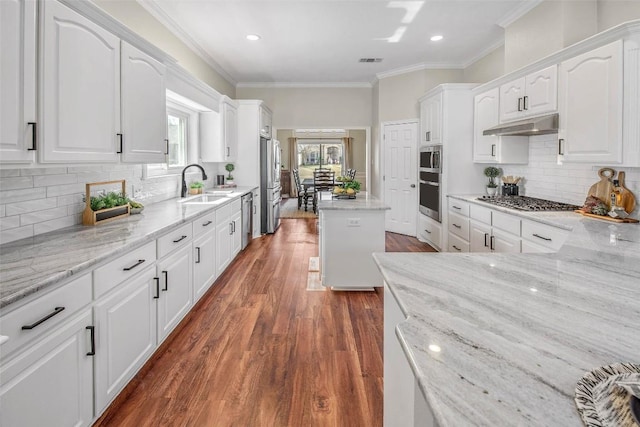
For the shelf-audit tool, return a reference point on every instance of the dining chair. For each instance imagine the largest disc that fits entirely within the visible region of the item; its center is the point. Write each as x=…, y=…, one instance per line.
x=323, y=180
x=351, y=174
x=304, y=193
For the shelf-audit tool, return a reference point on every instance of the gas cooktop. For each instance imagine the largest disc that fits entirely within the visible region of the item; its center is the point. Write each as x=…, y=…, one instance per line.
x=524, y=203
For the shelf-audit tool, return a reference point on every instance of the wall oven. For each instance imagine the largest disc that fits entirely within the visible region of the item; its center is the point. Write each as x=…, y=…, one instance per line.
x=430, y=173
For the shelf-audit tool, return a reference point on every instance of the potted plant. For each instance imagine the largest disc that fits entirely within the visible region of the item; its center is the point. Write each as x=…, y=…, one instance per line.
x=492, y=173
x=229, y=168
x=196, y=187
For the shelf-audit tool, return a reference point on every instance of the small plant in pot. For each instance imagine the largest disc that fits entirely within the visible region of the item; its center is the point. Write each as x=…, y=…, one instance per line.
x=492, y=173
x=196, y=187
x=229, y=168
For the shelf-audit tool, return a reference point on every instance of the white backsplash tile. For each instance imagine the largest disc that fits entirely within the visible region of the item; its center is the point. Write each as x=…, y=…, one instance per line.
x=56, y=224
x=11, y=196
x=49, y=180
x=7, y=236
x=569, y=182
x=42, y=216
x=30, y=206
x=16, y=183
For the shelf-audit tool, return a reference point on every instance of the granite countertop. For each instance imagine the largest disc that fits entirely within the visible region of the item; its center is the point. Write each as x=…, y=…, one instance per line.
x=30, y=265
x=363, y=201
x=517, y=331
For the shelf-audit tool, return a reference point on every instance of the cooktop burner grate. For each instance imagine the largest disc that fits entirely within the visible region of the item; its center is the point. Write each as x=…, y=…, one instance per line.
x=525, y=203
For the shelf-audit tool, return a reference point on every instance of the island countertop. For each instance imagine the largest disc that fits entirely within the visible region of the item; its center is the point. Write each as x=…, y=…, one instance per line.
x=363, y=201
x=517, y=331
x=30, y=265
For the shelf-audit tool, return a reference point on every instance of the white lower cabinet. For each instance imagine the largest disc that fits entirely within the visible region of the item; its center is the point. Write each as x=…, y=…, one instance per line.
x=204, y=263
x=236, y=235
x=175, y=297
x=479, y=237
x=228, y=234
x=51, y=382
x=430, y=231
x=125, y=323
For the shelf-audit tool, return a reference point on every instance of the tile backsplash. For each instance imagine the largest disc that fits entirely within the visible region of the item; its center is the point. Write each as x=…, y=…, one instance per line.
x=42, y=199
x=569, y=182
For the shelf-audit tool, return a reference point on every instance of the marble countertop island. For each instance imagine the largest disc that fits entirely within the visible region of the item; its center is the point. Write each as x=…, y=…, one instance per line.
x=30, y=265
x=363, y=201
x=517, y=331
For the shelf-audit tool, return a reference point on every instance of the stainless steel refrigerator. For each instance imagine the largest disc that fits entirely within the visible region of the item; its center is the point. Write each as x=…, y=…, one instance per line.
x=270, y=189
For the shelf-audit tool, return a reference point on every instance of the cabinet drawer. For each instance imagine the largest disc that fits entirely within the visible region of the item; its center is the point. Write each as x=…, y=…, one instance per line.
x=459, y=207
x=44, y=312
x=223, y=214
x=459, y=225
x=236, y=206
x=506, y=222
x=117, y=271
x=480, y=213
x=205, y=224
x=431, y=231
x=174, y=239
x=545, y=235
x=456, y=244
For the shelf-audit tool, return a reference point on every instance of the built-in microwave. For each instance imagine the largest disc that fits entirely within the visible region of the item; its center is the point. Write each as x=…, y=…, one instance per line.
x=430, y=173
x=431, y=159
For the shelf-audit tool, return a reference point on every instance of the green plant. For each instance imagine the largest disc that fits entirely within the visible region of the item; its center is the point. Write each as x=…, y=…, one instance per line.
x=492, y=172
x=196, y=184
x=229, y=168
x=352, y=184
x=108, y=200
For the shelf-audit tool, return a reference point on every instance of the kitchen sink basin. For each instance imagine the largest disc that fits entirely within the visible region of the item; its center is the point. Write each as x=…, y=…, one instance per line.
x=204, y=199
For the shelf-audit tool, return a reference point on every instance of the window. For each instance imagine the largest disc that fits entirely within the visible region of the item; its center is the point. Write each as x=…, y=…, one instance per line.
x=178, y=135
x=319, y=154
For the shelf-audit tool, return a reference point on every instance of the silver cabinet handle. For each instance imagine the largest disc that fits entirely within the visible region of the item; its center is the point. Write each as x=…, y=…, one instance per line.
x=519, y=104
x=493, y=150
x=561, y=147
x=427, y=136
x=228, y=152
x=198, y=255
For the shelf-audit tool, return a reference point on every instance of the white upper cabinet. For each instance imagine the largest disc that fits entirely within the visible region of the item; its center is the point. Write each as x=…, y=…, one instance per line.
x=219, y=133
x=531, y=95
x=590, y=106
x=144, y=113
x=265, y=121
x=80, y=95
x=431, y=120
x=494, y=149
x=18, y=127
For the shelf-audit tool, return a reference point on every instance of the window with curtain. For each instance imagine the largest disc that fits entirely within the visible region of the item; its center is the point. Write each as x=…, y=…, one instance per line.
x=320, y=154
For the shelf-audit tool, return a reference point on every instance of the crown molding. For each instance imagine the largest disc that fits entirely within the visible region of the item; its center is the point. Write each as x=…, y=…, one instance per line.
x=418, y=67
x=166, y=20
x=302, y=85
x=518, y=13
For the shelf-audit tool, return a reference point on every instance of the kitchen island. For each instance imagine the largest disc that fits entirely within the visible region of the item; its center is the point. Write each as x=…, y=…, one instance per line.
x=350, y=231
x=502, y=339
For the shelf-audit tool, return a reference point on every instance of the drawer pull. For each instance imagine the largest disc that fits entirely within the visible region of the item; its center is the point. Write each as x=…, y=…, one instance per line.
x=166, y=280
x=92, y=329
x=427, y=231
x=140, y=261
x=207, y=223
x=542, y=237
x=198, y=255
x=180, y=239
x=456, y=248
x=44, y=319
x=456, y=207
x=456, y=226
x=157, y=295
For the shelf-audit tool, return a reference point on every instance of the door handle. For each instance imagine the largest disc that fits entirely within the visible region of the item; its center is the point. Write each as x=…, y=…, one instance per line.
x=157, y=295
x=485, y=240
x=413, y=186
x=166, y=280
x=561, y=147
x=92, y=330
x=525, y=102
x=519, y=104
x=167, y=146
x=197, y=255
x=33, y=136
x=493, y=243
x=493, y=150
x=121, y=142
x=427, y=136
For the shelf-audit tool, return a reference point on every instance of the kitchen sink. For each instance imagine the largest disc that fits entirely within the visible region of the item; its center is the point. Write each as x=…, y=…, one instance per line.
x=204, y=199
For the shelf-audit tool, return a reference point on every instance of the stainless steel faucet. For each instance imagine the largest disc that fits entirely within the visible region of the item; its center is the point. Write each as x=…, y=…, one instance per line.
x=184, y=183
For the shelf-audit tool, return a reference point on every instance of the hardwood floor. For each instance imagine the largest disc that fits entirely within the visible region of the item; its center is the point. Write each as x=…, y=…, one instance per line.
x=260, y=350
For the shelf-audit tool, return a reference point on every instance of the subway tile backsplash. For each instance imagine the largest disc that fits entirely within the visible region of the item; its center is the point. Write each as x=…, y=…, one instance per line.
x=42, y=199
x=569, y=182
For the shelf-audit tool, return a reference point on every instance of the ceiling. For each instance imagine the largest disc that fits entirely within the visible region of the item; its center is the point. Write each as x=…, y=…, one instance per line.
x=321, y=41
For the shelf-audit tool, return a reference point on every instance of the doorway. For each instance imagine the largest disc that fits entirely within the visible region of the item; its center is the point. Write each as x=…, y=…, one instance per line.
x=400, y=142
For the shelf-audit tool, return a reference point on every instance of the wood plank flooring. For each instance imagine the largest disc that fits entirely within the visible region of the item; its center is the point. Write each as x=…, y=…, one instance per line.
x=260, y=350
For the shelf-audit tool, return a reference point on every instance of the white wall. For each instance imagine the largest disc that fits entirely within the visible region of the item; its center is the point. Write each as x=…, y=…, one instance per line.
x=487, y=68
x=568, y=183
x=614, y=12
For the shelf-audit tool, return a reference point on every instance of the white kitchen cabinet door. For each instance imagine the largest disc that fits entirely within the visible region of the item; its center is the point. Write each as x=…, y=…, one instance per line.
x=485, y=115
x=256, y=213
x=541, y=92
x=223, y=246
x=230, y=130
x=144, y=108
x=204, y=263
x=511, y=100
x=176, y=296
x=265, y=122
x=431, y=120
x=590, y=105
x=479, y=237
x=236, y=236
x=125, y=333
x=51, y=383
x=430, y=231
x=18, y=132
x=80, y=94
x=504, y=242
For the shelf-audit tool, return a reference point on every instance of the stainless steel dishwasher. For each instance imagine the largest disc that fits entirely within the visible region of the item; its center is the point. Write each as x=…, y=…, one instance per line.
x=247, y=219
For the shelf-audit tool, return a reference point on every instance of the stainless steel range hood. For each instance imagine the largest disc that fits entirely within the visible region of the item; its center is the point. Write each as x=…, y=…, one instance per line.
x=543, y=125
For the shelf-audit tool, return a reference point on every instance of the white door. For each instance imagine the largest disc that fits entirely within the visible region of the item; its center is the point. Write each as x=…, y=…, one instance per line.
x=144, y=108
x=400, y=142
x=18, y=81
x=80, y=96
x=223, y=246
x=236, y=236
x=176, y=296
x=125, y=333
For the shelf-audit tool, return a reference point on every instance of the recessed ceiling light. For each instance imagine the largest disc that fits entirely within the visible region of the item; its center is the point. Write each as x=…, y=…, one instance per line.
x=436, y=38
x=253, y=37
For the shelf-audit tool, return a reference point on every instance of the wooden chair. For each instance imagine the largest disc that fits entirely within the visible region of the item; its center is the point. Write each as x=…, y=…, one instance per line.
x=351, y=173
x=323, y=180
x=303, y=193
